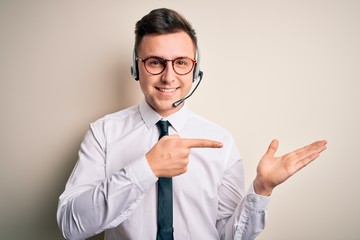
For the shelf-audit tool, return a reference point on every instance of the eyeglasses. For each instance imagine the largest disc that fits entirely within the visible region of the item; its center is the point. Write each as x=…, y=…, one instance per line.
x=156, y=65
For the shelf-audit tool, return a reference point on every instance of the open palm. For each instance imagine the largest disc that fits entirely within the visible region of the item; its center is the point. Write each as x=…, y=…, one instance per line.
x=272, y=171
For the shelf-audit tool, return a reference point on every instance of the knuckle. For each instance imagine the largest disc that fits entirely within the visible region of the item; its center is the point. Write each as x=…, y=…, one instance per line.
x=183, y=170
x=184, y=152
x=184, y=162
x=178, y=143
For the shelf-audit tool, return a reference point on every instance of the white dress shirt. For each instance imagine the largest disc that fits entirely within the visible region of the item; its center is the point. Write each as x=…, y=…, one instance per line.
x=113, y=188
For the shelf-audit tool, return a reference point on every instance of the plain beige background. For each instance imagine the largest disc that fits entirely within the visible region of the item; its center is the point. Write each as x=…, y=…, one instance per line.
x=272, y=69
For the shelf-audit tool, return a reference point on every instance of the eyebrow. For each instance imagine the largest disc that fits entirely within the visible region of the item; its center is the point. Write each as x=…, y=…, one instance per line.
x=165, y=58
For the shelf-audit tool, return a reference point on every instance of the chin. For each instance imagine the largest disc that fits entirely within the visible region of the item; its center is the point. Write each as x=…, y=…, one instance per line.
x=166, y=110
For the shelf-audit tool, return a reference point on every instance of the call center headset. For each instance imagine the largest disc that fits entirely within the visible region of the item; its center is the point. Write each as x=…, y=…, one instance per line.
x=197, y=75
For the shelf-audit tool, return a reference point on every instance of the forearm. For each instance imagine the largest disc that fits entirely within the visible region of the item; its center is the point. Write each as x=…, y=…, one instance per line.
x=103, y=206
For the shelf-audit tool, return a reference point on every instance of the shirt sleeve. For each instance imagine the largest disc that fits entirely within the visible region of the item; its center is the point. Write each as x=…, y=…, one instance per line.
x=241, y=215
x=93, y=202
x=250, y=216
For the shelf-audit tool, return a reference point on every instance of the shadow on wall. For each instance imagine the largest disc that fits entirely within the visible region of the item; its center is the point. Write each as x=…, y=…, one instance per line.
x=121, y=92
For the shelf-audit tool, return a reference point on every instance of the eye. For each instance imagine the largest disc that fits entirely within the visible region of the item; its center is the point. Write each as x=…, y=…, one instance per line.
x=182, y=62
x=154, y=62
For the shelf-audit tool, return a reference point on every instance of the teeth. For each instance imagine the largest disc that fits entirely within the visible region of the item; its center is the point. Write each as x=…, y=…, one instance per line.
x=167, y=90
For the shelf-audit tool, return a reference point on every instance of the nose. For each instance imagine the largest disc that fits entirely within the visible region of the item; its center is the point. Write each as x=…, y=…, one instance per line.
x=168, y=75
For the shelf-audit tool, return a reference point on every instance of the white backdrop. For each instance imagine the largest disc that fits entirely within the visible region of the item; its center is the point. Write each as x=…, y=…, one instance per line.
x=272, y=69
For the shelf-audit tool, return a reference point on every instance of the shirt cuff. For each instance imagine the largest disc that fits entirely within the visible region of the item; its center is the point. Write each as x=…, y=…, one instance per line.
x=141, y=174
x=254, y=201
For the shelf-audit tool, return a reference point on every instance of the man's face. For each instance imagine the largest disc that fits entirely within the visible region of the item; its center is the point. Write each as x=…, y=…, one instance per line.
x=162, y=90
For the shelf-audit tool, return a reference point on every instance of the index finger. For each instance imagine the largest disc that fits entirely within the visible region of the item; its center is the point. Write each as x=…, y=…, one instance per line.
x=201, y=143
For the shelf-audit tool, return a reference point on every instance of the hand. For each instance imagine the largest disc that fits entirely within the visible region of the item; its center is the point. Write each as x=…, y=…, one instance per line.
x=272, y=171
x=170, y=155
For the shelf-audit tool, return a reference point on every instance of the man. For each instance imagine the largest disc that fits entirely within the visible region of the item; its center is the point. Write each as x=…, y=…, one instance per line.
x=115, y=185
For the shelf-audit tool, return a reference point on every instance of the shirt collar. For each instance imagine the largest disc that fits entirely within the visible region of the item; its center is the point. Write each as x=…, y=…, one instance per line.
x=151, y=117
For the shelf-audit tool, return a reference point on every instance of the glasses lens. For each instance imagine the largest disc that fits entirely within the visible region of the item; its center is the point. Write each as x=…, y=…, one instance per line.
x=155, y=65
x=183, y=65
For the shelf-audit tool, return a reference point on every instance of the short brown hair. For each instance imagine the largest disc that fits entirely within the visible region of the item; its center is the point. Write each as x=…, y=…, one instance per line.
x=163, y=21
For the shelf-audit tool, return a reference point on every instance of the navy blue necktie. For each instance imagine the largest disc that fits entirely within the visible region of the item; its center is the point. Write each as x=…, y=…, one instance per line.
x=165, y=203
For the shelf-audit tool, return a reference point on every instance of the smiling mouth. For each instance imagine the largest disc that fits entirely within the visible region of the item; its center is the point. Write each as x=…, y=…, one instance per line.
x=167, y=90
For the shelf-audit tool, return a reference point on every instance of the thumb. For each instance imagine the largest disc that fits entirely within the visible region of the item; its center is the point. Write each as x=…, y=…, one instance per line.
x=272, y=148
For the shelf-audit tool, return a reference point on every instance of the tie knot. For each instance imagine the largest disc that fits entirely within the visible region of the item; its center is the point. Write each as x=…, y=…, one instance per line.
x=163, y=127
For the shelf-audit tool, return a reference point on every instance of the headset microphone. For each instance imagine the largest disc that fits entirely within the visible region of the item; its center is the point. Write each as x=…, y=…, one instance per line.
x=178, y=102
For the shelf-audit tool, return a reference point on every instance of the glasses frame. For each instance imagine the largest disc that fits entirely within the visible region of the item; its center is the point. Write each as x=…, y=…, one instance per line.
x=165, y=61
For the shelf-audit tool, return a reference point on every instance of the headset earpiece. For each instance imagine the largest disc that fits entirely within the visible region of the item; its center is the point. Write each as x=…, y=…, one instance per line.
x=134, y=70
x=197, y=72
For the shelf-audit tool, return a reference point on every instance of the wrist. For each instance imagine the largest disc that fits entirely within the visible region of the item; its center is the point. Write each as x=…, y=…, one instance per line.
x=152, y=164
x=260, y=188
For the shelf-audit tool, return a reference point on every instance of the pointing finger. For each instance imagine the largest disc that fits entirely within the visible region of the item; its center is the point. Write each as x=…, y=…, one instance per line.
x=201, y=143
